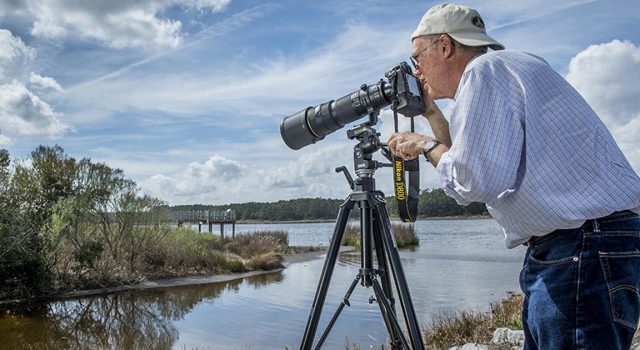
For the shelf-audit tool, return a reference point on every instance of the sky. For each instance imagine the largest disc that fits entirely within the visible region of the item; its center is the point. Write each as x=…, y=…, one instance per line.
x=187, y=96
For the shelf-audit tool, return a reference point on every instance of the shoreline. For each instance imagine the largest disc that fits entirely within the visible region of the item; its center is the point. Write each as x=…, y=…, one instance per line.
x=169, y=282
x=393, y=218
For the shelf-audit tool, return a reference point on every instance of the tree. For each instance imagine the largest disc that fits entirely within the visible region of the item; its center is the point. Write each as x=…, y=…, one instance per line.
x=59, y=215
x=434, y=202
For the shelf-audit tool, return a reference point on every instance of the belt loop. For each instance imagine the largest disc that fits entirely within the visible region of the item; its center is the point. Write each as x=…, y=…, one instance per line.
x=596, y=226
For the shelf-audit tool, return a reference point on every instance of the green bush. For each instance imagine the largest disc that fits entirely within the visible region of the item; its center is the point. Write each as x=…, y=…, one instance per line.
x=88, y=252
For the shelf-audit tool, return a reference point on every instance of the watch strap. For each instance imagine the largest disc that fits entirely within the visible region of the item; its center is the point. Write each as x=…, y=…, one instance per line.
x=429, y=148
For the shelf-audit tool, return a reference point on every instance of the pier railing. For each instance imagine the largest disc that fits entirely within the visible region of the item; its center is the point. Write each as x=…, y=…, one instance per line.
x=206, y=217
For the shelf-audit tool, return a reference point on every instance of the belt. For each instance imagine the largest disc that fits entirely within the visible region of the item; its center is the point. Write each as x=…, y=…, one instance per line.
x=592, y=223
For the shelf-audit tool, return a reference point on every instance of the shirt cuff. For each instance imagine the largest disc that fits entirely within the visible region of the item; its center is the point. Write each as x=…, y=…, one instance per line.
x=449, y=185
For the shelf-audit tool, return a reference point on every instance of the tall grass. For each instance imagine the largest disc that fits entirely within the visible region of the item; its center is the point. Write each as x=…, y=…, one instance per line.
x=169, y=252
x=186, y=251
x=448, y=329
x=405, y=235
x=263, y=250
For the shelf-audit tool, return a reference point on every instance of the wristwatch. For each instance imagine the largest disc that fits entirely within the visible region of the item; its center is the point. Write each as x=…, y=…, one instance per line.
x=428, y=147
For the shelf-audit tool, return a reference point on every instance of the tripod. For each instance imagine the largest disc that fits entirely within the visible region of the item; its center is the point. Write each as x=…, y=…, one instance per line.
x=375, y=232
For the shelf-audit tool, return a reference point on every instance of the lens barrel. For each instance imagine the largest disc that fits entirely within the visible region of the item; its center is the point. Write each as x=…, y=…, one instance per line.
x=314, y=123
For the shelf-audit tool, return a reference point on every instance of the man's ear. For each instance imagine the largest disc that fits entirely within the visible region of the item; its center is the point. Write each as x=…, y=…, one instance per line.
x=447, y=46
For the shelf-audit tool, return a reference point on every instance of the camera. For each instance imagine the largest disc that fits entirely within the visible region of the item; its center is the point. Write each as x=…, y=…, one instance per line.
x=401, y=91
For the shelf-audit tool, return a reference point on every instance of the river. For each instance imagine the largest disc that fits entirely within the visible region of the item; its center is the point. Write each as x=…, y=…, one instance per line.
x=459, y=265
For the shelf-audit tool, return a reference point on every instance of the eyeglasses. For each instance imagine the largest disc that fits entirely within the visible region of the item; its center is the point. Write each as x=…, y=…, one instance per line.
x=414, y=58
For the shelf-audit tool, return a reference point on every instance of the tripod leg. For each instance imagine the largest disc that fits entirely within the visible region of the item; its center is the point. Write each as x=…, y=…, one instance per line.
x=398, y=273
x=325, y=277
x=345, y=301
x=366, y=234
x=383, y=266
x=390, y=319
x=385, y=276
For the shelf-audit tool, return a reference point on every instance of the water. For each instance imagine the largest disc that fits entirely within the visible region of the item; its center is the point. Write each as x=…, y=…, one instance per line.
x=459, y=265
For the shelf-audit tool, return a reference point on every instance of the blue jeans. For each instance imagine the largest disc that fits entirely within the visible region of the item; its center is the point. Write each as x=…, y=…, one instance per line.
x=582, y=285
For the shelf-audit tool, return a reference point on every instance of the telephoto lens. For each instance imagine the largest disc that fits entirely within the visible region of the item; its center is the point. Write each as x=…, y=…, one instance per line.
x=314, y=123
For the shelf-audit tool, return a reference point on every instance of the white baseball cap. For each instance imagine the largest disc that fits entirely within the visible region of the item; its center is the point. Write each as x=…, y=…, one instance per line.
x=461, y=22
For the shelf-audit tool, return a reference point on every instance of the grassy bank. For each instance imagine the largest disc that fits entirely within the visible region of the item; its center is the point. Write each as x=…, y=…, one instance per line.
x=405, y=235
x=458, y=328
x=164, y=252
x=449, y=329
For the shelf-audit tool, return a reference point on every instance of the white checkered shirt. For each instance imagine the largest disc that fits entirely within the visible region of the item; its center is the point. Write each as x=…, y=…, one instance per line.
x=530, y=147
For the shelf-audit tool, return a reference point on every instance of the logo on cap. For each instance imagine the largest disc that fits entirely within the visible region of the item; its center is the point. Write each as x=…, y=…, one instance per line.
x=477, y=21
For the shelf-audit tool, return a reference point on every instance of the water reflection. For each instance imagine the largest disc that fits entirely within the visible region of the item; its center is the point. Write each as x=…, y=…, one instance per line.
x=128, y=320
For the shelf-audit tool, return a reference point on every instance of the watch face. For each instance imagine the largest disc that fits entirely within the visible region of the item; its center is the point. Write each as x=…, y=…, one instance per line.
x=428, y=145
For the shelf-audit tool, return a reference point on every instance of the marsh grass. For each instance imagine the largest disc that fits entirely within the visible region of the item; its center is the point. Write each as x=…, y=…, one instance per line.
x=449, y=329
x=405, y=235
x=187, y=252
x=258, y=243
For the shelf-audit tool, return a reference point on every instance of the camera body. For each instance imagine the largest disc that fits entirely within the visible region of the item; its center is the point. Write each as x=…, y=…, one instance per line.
x=407, y=91
x=401, y=91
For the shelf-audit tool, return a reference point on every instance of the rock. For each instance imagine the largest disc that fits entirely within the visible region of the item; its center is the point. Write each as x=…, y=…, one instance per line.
x=506, y=336
x=471, y=346
x=503, y=338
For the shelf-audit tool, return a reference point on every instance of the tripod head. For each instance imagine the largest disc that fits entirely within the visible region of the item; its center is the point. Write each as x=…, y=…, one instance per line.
x=363, y=162
x=369, y=143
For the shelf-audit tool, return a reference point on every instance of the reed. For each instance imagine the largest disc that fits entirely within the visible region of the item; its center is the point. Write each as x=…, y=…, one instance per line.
x=449, y=329
x=405, y=235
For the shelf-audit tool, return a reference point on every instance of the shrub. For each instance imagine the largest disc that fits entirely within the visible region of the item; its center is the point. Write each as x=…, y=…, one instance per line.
x=87, y=253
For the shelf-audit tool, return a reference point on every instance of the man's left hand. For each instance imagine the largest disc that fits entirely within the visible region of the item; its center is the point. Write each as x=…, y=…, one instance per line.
x=407, y=144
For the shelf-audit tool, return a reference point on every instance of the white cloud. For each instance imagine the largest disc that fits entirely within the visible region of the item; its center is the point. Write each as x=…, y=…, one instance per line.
x=44, y=83
x=214, y=5
x=222, y=180
x=310, y=174
x=117, y=24
x=198, y=178
x=608, y=76
x=14, y=55
x=23, y=106
x=24, y=113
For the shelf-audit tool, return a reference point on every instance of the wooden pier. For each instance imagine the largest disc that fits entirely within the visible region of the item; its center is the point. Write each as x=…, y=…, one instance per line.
x=204, y=217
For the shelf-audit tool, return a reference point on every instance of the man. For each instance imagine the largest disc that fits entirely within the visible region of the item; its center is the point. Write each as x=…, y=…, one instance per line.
x=524, y=142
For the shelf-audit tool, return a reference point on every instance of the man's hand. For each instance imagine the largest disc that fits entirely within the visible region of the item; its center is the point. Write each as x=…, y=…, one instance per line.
x=407, y=144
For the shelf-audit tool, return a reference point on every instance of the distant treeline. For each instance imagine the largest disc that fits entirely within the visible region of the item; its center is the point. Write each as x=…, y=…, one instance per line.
x=432, y=203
